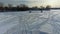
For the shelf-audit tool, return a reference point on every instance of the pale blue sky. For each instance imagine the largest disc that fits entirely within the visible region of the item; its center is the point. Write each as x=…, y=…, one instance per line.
x=53, y=3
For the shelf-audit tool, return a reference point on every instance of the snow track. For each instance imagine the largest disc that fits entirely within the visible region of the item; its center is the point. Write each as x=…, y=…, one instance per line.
x=47, y=22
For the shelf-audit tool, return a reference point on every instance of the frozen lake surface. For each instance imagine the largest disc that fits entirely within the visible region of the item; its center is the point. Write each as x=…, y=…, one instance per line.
x=36, y=22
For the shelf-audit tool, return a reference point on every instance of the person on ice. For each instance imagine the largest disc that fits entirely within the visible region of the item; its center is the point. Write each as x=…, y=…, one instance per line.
x=29, y=11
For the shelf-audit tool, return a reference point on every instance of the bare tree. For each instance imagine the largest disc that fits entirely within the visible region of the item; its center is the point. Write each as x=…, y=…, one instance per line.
x=48, y=6
x=42, y=7
x=1, y=4
x=10, y=5
x=35, y=7
x=23, y=5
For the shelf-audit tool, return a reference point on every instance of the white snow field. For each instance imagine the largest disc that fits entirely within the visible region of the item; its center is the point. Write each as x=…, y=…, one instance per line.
x=36, y=22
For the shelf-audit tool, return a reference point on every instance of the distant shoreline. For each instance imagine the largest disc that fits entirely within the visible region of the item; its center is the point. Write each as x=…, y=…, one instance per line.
x=30, y=9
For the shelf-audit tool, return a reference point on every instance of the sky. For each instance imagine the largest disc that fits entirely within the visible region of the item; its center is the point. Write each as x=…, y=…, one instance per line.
x=30, y=3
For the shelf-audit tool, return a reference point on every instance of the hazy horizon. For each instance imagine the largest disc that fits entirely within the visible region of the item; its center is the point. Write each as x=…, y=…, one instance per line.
x=30, y=3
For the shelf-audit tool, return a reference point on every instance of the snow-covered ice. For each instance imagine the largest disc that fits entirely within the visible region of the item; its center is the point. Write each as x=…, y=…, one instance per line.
x=36, y=22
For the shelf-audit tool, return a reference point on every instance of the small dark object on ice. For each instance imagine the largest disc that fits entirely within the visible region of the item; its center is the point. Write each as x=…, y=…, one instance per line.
x=41, y=11
x=30, y=11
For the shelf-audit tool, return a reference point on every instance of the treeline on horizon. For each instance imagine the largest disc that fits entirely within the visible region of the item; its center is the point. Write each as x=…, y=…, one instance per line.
x=22, y=7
